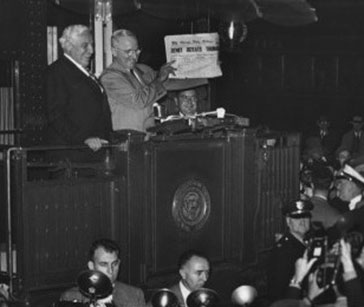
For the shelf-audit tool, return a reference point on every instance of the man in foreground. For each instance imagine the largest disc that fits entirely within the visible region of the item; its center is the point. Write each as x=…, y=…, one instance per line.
x=194, y=269
x=104, y=256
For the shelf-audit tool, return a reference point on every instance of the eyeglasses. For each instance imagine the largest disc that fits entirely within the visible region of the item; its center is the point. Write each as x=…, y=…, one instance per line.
x=130, y=52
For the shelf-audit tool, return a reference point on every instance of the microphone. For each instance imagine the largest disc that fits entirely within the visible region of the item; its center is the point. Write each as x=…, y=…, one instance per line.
x=220, y=113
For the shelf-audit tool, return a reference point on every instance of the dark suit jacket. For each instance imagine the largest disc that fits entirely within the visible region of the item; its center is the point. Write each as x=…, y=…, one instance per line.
x=328, y=144
x=77, y=108
x=177, y=291
x=347, y=143
x=281, y=265
x=123, y=296
x=322, y=212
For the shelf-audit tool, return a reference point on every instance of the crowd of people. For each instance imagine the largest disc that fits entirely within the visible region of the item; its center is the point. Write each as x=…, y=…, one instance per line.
x=83, y=109
x=319, y=260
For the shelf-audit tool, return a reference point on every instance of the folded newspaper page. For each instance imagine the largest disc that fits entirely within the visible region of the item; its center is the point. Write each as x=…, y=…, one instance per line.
x=195, y=55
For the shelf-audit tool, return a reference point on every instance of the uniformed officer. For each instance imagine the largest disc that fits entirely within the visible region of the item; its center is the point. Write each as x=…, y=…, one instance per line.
x=281, y=263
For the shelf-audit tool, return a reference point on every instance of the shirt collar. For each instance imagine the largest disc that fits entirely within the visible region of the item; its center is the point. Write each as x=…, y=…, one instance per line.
x=185, y=292
x=354, y=201
x=80, y=67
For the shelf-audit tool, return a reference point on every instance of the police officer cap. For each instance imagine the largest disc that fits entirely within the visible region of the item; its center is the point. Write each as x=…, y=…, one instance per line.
x=352, y=174
x=298, y=209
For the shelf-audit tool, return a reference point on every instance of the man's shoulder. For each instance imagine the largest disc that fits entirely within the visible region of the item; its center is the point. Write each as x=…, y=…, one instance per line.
x=174, y=287
x=287, y=242
x=111, y=72
x=120, y=286
x=125, y=286
x=144, y=67
x=73, y=295
x=62, y=66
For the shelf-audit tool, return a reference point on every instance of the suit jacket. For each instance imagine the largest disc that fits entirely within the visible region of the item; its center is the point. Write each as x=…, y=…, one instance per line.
x=177, y=291
x=328, y=144
x=123, y=296
x=347, y=143
x=281, y=265
x=322, y=212
x=131, y=100
x=77, y=107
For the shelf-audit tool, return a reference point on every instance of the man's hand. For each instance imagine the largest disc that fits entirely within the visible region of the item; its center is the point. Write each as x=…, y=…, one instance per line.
x=165, y=70
x=302, y=267
x=345, y=256
x=95, y=143
x=313, y=288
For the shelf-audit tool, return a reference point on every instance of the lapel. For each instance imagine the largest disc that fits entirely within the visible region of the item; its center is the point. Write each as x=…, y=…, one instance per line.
x=82, y=76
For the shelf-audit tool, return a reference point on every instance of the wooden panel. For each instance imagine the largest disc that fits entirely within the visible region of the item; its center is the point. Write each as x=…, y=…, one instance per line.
x=60, y=220
x=176, y=168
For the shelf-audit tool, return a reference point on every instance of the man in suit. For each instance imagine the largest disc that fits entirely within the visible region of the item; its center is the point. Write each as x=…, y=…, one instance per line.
x=194, y=269
x=322, y=141
x=78, y=110
x=132, y=88
x=323, y=214
x=353, y=141
x=104, y=256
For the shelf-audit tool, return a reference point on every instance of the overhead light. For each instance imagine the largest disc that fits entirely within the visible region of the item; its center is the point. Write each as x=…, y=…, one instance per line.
x=232, y=33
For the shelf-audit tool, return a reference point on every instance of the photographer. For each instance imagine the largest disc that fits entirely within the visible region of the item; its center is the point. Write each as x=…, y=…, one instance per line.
x=352, y=284
x=295, y=295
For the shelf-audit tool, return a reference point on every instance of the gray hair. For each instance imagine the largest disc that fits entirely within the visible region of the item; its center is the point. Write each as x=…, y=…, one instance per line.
x=121, y=33
x=70, y=33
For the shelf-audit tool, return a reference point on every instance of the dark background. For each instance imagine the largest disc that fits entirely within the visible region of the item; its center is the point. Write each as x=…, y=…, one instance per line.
x=283, y=77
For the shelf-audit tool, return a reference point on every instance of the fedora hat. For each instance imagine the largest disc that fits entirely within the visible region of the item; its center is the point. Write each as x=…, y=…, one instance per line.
x=357, y=119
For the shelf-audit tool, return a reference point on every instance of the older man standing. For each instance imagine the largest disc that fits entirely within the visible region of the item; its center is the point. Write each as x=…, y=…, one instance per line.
x=194, y=269
x=78, y=110
x=104, y=256
x=132, y=88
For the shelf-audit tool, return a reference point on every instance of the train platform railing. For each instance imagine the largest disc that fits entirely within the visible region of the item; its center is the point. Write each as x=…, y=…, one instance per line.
x=27, y=169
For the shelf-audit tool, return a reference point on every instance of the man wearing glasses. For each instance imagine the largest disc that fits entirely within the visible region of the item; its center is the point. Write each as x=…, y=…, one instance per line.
x=132, y=88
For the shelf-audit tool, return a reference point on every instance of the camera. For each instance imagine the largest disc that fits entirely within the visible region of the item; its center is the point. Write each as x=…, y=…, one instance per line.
x=317, y=248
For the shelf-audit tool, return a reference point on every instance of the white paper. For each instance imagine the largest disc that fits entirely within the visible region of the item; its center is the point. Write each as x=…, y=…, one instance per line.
x=195, y=55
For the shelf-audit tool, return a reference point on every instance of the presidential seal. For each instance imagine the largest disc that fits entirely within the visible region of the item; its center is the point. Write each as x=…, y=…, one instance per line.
x=191, y=205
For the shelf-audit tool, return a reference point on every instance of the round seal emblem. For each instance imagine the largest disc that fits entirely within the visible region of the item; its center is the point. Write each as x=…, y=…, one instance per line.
x=191, y=205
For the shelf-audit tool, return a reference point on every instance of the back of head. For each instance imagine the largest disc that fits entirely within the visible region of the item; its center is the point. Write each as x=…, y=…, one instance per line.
x=322, y=177
x=188, y=254
x=108, y=245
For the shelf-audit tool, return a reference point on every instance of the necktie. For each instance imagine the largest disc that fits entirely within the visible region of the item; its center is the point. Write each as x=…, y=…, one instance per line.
x=93, y=77
x=136, y=75
x=356, y=142
x=322, y=134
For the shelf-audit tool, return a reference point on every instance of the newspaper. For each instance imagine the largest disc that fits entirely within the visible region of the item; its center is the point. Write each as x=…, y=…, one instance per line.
x=195, y=55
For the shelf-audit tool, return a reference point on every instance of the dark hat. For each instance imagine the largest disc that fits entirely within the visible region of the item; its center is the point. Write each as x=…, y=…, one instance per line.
x=298, y=209
x=357, y=119
x=351, y=174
